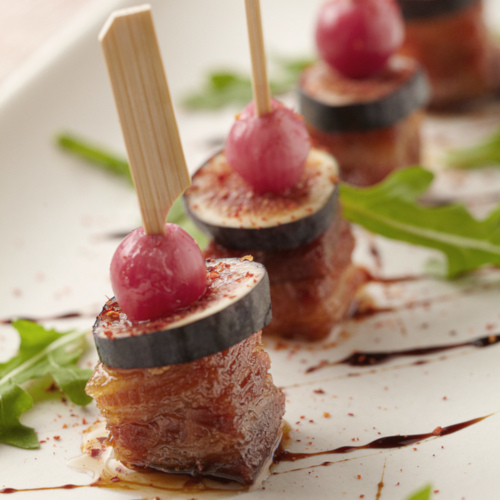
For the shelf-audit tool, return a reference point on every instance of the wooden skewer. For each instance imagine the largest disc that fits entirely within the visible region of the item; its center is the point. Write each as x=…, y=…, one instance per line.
x=260, y=82
x=146, y=113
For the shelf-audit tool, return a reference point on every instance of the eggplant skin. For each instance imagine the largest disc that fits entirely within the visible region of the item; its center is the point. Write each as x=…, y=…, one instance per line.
x=226, y=208
x=420, y=9
x=219, y=416
x=461, y=58
x=122, y=344
x=366, y=158
x=282, y=237
x=364, y=115
x=312, y=287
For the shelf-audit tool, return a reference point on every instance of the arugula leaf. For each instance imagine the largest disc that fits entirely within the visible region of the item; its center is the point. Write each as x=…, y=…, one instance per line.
x=112, y=162
x=293, y=67
x=224, y=87
x=391, y=209
x=13, y=402
x=485, y=153
x=424, y=494
x=41, y=352
x=219, y=89
x=95, y=155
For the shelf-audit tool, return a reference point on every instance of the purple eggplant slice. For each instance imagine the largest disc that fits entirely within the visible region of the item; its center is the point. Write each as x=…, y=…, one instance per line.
x=236, y=305
x=425, y=9
x=332, y=103
x=226, y=208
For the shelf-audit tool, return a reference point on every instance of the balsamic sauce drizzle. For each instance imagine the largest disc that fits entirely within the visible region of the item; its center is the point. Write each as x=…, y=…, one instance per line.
x=380, y=485
x=282, y=455
x=368, y=310
x=383, y=443
x=357, y=359
x=117, y=235
x=367, y=358
x=48, y=488
x=69, y=315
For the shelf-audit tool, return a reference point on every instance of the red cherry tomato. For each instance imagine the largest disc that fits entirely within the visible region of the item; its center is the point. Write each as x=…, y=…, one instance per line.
x=357, y=37
x=268, y=151
x=152, y=275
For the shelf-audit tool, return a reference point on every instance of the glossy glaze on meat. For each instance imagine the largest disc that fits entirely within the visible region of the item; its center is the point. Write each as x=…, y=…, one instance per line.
x=313, y=286
x=218, y=416
x=371, y=126
x=368, y=157
x=460, y=56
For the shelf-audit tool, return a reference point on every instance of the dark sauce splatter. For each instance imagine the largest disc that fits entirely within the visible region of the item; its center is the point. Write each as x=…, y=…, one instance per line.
x=117, y=235
x=381, y=484
x=215, y=142
x=388, y=442
x=366, y=310
x=63, y=487
x=367, y=358
x=375, y=253
x=69, y=315
x=282, y=455
x=191, y=485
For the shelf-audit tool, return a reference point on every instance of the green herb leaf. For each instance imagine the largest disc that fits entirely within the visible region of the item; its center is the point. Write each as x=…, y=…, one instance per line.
x=224, y=87
x=189, y=226
x=424, y=494
x=391, y=209
x=117, y=165
x=219, y=89
x=41, y=352
x=485, y=153
x=95, y=155
x=13, y=402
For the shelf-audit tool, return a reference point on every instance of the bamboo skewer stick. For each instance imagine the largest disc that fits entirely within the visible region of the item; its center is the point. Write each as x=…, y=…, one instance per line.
x=142, y=97
x=260, y=82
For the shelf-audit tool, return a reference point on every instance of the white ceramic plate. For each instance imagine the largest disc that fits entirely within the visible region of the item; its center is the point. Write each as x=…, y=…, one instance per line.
x=55, y=214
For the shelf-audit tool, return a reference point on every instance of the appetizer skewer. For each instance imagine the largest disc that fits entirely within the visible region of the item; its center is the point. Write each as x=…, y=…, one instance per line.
x=270, y=195
x=183, y=379
x=361, y=102
x=451, y=41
